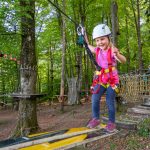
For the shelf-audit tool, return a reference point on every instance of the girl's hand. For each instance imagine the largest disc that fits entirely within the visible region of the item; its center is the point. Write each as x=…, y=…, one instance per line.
x=119, y=57
x=115, y=51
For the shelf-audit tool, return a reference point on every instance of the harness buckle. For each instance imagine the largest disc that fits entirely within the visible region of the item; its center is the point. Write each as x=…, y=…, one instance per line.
x=115, y=88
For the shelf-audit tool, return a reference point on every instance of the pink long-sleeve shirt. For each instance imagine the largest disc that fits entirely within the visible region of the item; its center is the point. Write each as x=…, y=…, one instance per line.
x=102, y=61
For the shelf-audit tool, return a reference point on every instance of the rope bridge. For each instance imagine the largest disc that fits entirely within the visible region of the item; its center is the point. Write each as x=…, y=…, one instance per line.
x=134, y=87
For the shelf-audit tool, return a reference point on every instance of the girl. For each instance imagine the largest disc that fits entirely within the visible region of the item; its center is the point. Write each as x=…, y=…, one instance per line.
x=107, y=79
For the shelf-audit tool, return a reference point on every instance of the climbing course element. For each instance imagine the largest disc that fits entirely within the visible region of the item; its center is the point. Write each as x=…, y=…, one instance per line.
x=55, y=139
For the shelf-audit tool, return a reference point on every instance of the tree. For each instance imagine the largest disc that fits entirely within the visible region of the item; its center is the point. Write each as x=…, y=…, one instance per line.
x=27, y=117
x=62, y=25
x=127, y=41
x=115, y=24
x=138, y=31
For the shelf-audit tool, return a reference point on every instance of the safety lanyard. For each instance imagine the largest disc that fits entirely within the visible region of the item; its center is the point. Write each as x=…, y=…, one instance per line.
x=81, y=32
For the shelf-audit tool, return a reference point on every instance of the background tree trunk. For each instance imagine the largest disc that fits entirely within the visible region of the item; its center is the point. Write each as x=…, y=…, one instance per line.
x=127, y=42
x=114, y=21
x=50, y=71
x=72, y=90
x=115, y=32
x=139, y=37
x=79, y=54
x=138, y=31
x=62, y=24
x=27, y=117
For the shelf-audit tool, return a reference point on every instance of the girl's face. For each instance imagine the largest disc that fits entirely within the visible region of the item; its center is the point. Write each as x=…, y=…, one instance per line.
x=102, y=42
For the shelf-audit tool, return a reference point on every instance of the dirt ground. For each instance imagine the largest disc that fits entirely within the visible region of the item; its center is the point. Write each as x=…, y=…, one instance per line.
x=50, y=118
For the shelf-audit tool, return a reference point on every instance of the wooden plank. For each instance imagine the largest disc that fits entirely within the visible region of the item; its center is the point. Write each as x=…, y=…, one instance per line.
x=138, y=117
x=16, y=95
x=88, y=141
x=123, y=124
x=139, y=111
x=146, y=105
x=49, y=139
x=143, y=107
x=130, y=121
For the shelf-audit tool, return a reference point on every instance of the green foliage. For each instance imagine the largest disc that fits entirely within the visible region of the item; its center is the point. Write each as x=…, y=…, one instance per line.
x=112, y=146
x=133, y=144
x=144, y=128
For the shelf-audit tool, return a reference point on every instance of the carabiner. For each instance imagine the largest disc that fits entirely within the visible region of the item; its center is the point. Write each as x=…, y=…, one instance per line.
x=80, y=30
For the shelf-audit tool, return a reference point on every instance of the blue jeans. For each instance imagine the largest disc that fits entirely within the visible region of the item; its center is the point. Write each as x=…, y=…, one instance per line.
x=110, y=101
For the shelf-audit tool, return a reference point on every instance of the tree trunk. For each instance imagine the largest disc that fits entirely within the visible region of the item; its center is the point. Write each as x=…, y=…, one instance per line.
x=62, y=24
x=50, y=75
x=139, y=37
x=27, y=117
x=79, y=54
x=72, y=91
x=114, y=21
x=138, y=28
x=62, y=86
x=51, y=71
x=127, y=43
x=79, y=76
x=115, y=29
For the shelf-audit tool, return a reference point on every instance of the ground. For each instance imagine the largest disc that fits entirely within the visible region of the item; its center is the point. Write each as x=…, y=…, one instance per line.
x=50, y=118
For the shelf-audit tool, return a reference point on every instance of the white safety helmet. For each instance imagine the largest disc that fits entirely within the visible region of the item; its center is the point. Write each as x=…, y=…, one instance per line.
x=101, y=30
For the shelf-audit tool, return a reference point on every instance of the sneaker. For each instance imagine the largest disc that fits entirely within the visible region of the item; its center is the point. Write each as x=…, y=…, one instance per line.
x=111, y=127
x=93, y=123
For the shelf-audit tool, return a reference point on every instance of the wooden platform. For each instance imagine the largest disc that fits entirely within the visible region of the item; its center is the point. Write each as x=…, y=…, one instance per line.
x=28, y=96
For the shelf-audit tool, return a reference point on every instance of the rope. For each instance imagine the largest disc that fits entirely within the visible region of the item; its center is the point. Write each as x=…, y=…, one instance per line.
x=91, y=56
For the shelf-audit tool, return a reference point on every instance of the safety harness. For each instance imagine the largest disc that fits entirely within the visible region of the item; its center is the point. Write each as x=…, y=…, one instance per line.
x=101, y=77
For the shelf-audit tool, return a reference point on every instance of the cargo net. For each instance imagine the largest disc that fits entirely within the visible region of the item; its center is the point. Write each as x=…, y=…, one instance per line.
x=134, y=87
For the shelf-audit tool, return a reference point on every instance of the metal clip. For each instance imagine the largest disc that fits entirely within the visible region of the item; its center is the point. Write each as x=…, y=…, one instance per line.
x=80, y=30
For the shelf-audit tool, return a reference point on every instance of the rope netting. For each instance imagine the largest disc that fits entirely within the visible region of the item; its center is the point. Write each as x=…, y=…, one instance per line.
x=134, y=87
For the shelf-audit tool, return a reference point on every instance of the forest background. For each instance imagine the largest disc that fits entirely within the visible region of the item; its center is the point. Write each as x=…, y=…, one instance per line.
x=56, y=56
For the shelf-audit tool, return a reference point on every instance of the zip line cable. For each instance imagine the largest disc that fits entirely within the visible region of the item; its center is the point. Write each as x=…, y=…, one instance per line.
x=81, y=32
x=63, y=12
x=77, y=24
